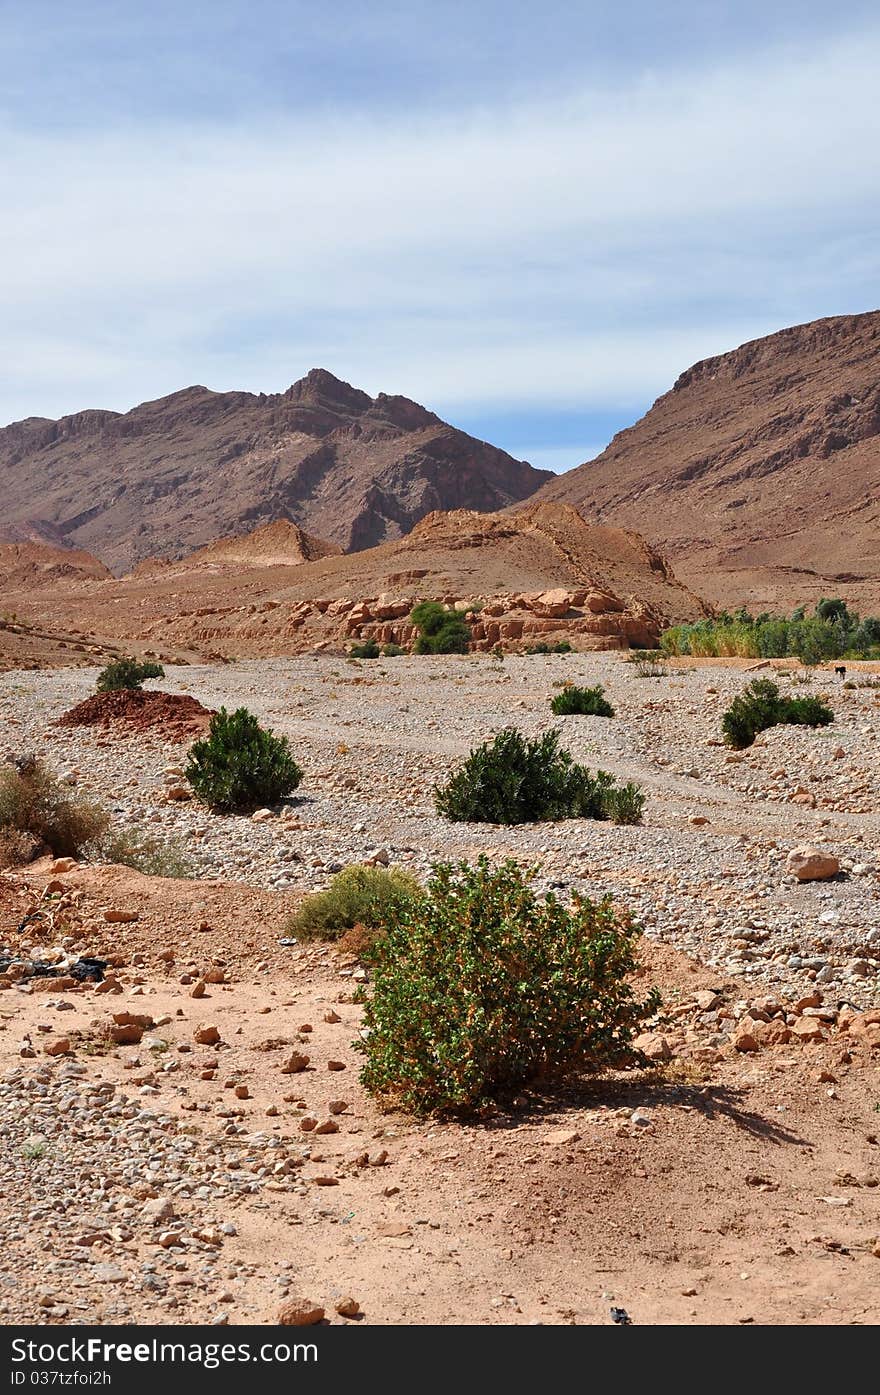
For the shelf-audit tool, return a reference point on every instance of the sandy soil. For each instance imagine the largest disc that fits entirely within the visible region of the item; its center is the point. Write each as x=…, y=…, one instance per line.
x=748, y=1195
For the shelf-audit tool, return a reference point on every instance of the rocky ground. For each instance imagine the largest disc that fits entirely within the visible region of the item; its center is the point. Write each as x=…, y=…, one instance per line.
x=182, y=1180
x=374, y=738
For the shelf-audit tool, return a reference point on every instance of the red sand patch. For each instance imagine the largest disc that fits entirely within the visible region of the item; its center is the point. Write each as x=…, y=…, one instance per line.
x=179, y=716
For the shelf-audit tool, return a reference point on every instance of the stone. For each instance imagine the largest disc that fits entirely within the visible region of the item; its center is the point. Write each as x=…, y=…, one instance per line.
x=125, y=1033
x=811, y=864
x=295, y=1063
x=300, y=1312
x=654, y=1045
x=807, y=1029
x=59, y=1047
x=560, y=1138
x=745, y=1038
x=62, y=864
x=348, y=1307
x=158, y=1209
x=207, y=1035
x=707, y=999
x=601, y=602
x=336, y=1065
x=118, y=917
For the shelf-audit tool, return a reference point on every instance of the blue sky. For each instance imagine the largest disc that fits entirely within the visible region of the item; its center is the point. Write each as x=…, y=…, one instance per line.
x=529, y=217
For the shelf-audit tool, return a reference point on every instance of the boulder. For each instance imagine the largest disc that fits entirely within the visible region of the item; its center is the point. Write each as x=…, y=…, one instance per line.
x=300, y=1312
x=551, y=604
x=601, y=602
x=812, y=864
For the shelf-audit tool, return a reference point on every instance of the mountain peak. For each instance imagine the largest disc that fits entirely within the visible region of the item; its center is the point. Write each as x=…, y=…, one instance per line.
x=323, y=387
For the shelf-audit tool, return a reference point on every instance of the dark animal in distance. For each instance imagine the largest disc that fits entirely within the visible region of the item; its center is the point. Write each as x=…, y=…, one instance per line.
x=840, y=671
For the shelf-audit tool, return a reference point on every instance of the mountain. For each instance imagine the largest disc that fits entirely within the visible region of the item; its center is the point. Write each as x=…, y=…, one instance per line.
x=36, y=565
x=758, y=474
x=278, y=544
x=539, y=573
x=172, y=475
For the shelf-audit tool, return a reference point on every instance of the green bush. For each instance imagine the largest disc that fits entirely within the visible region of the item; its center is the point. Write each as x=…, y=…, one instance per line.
x=239, y=765
x=127, y=673
x=357, y=895
x=761, y=705
x=516, y=780
x=563, y=647
x=35, y=804
x=624, y=804
x=831, y=632
x=131, y=847
x=441, y=631
x=392, y=651
x=584, y=702
x=368, y=650
x=482, y=987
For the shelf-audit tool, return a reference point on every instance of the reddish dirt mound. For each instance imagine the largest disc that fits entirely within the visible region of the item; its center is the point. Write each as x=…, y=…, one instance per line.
x=181, y=717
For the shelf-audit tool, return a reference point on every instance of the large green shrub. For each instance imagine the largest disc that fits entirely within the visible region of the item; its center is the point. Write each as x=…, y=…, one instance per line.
x=516, y=780
x=441, y=631
x=36, y=805
x=240, y=765
x=127, y=673
x=585, y=702
x=761, y=705
x=483, y=986
x=368, y=650
x=357, y=895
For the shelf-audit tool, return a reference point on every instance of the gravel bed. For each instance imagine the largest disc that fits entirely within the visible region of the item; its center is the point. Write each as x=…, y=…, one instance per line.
x=374, y=738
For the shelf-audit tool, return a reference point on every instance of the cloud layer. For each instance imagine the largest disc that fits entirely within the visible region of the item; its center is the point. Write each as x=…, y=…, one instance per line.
x=572, y=252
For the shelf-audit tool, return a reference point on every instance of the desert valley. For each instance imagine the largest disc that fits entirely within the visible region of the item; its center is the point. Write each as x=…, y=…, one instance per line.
x=189, y=1102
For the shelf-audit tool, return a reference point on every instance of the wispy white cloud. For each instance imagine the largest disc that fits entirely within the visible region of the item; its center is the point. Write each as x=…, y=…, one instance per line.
x=578, y=250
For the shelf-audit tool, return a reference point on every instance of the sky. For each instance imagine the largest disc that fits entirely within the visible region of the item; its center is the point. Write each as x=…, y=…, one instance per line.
x=529, y=217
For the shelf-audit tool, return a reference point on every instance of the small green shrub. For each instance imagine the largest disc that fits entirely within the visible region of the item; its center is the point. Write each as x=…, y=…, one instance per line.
x=648, y=663
x=761, y=705
x=240, y=765
x=392, y=651
x=35, y=804
x=563, y=647
x=482, y=987
x=585, y=702
x=514, y=780
x=127, y=673
x=357, y=895
x=368, y=650
x=624, y=804
x=131, y=847
x=441, y=631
